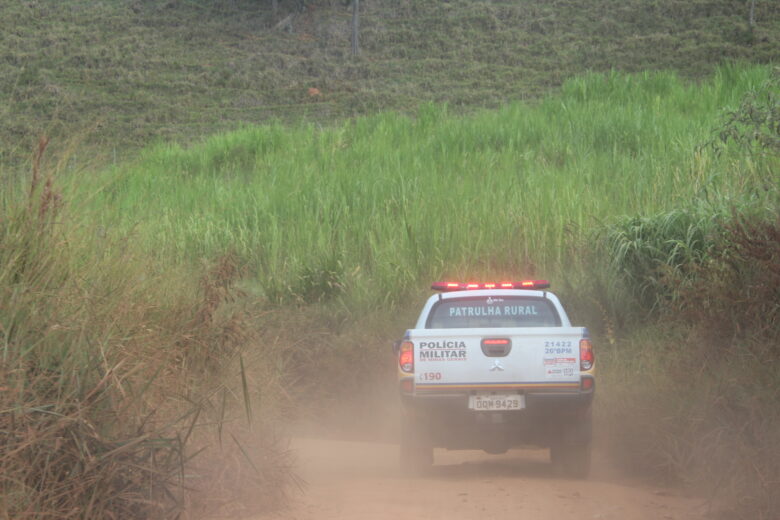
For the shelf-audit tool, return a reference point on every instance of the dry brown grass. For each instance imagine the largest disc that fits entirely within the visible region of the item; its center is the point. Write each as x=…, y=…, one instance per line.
x=694, y=398
x=710, y=424
x=123, y=392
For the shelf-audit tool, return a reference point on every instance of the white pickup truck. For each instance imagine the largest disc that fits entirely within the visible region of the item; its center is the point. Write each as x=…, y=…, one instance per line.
x=495, y=365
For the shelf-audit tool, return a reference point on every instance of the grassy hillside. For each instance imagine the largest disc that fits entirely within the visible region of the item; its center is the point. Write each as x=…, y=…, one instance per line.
x=185, y=296
x=207, y=278
x=381, y=205
x=610, y=188
x=120, y=73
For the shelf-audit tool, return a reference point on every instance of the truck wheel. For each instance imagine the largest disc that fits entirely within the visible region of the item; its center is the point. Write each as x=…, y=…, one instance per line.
x=571, y=460
x=570, y=453
x=416, y=455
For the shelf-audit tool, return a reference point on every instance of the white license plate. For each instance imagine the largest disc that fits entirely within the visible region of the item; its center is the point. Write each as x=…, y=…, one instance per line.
x=497, y=402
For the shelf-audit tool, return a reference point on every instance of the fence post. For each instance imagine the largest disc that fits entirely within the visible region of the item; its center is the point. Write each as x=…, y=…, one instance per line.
x=355, y=27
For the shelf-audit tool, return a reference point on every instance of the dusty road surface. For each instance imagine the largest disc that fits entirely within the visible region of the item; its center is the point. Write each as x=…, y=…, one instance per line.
x=360, y=480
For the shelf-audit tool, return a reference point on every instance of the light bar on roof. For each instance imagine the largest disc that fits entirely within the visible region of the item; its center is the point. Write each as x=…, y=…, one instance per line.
x=461, y=286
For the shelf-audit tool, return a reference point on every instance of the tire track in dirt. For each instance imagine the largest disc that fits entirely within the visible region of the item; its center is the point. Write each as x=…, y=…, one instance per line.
x=361, y=480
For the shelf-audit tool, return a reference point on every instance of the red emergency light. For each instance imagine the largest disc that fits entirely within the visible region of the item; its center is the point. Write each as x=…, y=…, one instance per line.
x=460, y=286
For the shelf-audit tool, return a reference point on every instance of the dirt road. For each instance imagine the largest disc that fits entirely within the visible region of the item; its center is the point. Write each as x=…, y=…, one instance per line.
x=355, y=480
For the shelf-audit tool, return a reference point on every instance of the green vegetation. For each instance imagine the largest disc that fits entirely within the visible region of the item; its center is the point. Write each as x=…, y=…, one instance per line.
x=184, y=297
x=645, y=200
x=114, y=375
x=120, y=73
x=369, y=210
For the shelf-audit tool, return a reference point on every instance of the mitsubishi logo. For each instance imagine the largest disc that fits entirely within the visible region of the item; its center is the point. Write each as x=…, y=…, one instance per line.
x=496, y=366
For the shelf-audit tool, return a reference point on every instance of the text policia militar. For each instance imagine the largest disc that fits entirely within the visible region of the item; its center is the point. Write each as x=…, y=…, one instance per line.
x=442, y=350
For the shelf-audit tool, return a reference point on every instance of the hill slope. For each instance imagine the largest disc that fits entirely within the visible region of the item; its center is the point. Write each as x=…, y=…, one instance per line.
x=129, y=71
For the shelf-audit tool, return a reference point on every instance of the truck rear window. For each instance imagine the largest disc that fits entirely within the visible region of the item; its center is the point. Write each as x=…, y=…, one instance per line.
x=493, y=311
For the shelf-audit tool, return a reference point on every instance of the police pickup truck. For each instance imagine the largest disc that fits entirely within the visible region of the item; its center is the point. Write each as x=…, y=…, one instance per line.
x=495, y=365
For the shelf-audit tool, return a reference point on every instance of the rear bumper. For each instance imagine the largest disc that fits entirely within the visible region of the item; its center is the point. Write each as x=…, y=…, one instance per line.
x=536, y=403
x=448, y=422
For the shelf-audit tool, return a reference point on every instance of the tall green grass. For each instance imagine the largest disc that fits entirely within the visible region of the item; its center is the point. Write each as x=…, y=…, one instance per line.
x=613, y=188
x=381, y=205
x=608, y=188
x=118, y=380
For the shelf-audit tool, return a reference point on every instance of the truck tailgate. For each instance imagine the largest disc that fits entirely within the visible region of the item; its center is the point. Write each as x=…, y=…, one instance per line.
x=517, y=359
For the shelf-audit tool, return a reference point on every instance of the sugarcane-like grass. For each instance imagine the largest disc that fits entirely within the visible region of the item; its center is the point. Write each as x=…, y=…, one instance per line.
x=380, y=206
x=317, y=241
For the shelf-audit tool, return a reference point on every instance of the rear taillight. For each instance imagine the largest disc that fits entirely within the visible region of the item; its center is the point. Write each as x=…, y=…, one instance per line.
x=499, y=341
x=586, y=355
x=406, y=357
x=496, y=347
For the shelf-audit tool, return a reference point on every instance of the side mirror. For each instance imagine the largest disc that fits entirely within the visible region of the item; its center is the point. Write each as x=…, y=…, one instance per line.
x=397, y=346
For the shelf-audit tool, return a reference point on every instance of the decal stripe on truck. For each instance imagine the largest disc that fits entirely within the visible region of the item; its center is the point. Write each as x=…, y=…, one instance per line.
x=494, y=386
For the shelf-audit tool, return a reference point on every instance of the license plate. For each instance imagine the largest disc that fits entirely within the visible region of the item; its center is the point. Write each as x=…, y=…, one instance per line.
x=497, y=402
